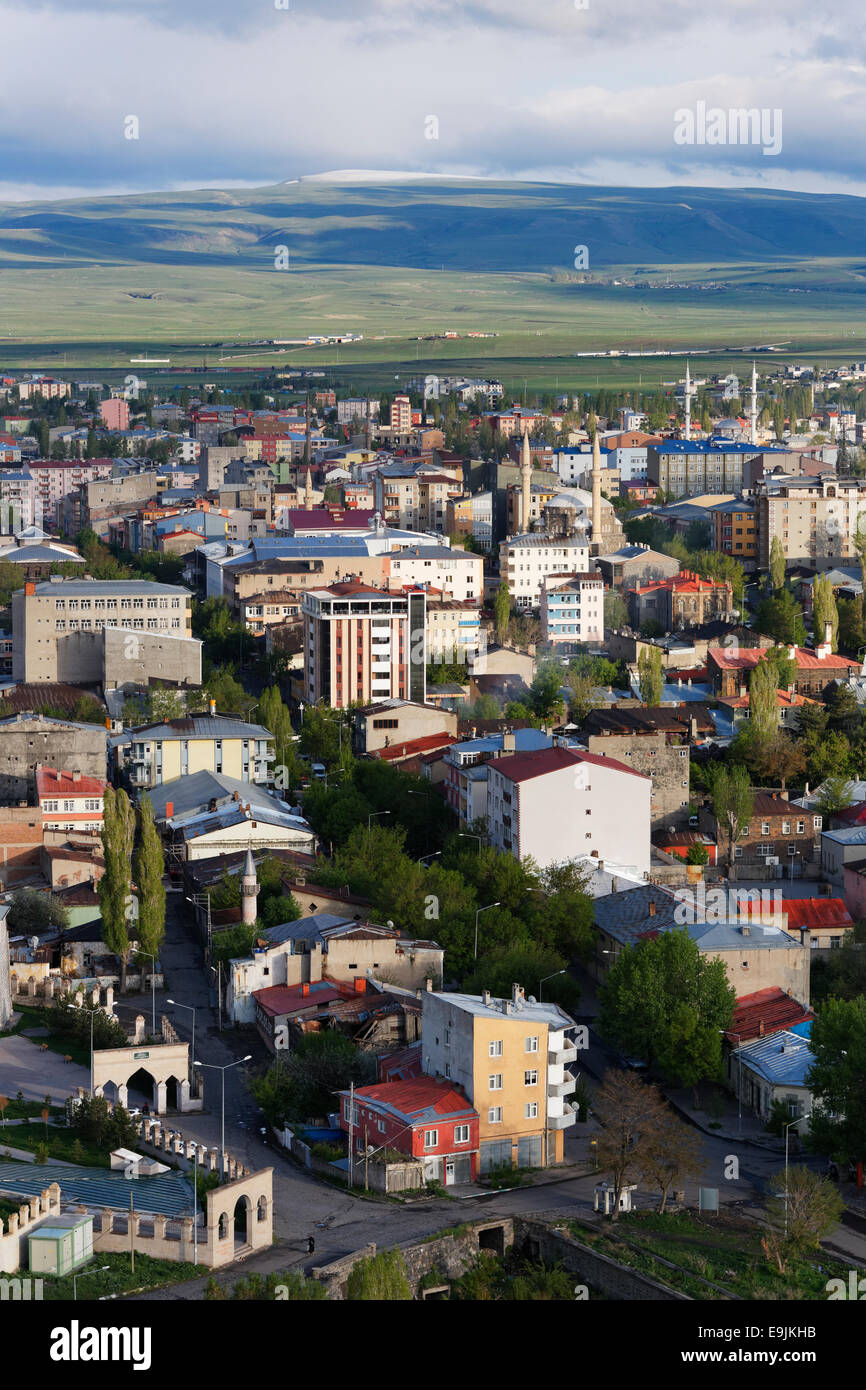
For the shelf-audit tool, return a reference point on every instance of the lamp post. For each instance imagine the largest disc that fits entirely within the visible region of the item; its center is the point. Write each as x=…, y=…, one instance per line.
x=196, y=900
x=92, y=1017
x=467, y=835
x=541, y=983
x=372, y=816
x=788, y=1127
x=739, y=1038
x=429, y=856
x=76, y=1277
x=176, y=1005
x=152, y=989
x=212, y=1067
x=477, y=915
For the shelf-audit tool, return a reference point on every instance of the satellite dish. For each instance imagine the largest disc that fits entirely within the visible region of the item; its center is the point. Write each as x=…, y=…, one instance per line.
x=33, y=942
x=389, y=924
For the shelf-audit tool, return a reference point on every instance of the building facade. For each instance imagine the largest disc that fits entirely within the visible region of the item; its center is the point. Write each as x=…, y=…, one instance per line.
x=365, y=644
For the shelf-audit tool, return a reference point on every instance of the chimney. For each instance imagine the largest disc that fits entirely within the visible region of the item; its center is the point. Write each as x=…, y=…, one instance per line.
x=169, y=810
x=761, y=1028
x=428, y=985
x=784, y=795
x=746, y=929
x=29, y=588
x=508, y=744
x=516, y=995
x=360, y=986
x=305, y=989
x=485, y=997
x=212, y=708
x=652, y=909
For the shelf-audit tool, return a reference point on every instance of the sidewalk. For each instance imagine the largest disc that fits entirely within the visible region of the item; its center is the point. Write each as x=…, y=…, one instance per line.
x=724, y=1122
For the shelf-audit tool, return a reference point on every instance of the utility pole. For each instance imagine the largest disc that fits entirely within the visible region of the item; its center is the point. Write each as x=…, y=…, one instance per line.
x=366, y=1161
x=131, y=1232
x=351, y=1128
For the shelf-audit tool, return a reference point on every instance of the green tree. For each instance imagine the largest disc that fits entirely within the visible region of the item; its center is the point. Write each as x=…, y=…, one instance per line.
x=301, y=1085
x=116, y=903
x=32, y=912
x=502, y=610
x=779, y=617
x=615, y=610
x=149, y=872
x=666, y=1003
x=379, y=1278
x=585, y=697
x=545, y=692
x=650, y=675
x=825, y=614
x=778, y=564
x=732, y=801
x=763, y=701
x=838, y=1044
x=804, y=1204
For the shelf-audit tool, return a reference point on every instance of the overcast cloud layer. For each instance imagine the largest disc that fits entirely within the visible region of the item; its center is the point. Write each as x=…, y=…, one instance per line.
x=239, y=91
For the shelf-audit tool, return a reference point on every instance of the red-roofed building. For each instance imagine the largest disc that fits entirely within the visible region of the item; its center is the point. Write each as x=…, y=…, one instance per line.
x=730, y=668
x=822, y=923
x=766, y=1011
x=557, y=804
x=685, y=600
x=349, y=522
x=69, y=801
x=283, y=1009
x=429, y=1119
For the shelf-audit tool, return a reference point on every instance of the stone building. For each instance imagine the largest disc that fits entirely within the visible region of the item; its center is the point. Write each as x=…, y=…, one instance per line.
x=28, y=739
x=665, y=761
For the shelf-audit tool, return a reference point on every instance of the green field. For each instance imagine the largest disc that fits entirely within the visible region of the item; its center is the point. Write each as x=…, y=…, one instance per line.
x=191, y=276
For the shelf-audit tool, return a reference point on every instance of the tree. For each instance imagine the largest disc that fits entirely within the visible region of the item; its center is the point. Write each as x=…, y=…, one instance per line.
x=763, y=701
x=669, y=1154
x=732, y=801
x=585, y=697
x=149, y=871
x=502, y=610
x=812, y=1204
x=615, y=610
x=825, y=614
x=778, y=564
x=32, y=912
x=650, y=675
x=667, y=1003
x=115, y=887
x=777, y=758
x=544, y=693
x=379, y=1278
x=626, y=1110
x=834, y=795
x=838, y=1042
x=779, y=617
x=301, y=1085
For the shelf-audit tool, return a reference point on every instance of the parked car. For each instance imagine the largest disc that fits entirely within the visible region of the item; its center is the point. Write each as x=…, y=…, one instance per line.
x=320, y=772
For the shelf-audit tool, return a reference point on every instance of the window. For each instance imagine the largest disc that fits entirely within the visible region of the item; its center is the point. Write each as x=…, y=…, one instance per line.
x=765, y=828
x=461, y=1134
x=494, y=1115
x=496, y=1049
x=530, y=1078
x=495, y=1082
x=431, y=1138
x=531, y=1045
x=531, y=1110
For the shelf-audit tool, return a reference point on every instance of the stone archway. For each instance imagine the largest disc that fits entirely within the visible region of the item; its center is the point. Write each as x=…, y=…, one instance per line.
x=243, y=1220
x=149, y=1069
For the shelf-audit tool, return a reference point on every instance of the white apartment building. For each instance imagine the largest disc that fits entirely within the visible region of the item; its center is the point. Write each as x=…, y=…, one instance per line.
x=17, y=499
x=560, y=804
x=458, y=573
x=573, y=610
x=526, y=562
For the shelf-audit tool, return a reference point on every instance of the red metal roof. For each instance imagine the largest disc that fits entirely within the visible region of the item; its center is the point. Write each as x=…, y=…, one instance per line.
x=50, y=782
x=520, y=767
x=810, y=914
x=806, y=659
x=418, y=1096
x=765, y=1011
x=288, y=999
x=412, y=746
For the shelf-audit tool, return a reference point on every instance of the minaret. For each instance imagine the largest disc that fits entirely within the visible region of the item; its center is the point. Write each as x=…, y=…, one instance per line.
x=308, y=491
x=526, y=479
x=596, y=495
x=249, y=891
x=687, y=426
x=753, y=408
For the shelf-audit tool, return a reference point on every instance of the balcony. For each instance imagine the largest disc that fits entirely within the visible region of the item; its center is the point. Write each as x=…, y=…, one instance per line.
x=559, y=1057
x=563, y=1087
x=564, y=1121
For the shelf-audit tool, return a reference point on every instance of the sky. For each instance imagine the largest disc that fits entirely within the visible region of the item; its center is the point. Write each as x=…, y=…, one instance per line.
x=251, y=92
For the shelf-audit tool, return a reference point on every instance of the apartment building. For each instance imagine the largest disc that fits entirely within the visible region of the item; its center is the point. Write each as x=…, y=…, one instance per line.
x=471, y=516
x=114, y=413
x=56, y=479
x=417, y=500
x=527, y=562
x=69, y=800
x=458, y=574
x=363, y=643
x=466, y=767
x=688, y=469
x=152, y=754
x=93, y=502
x=512, y=1060
x=735, y=530
x=573, y=611
x=357, y=408
x=559, y=804
x=686, y=600
x=816, y=520
x=453, y=630
x=401, y=414
x=28, y=741
x=45, y=386
x=61, y=632
x=17, y=499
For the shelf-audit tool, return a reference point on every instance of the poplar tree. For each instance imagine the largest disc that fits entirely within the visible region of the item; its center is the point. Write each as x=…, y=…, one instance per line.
x=115, y=887
x=777, y=563
x=649, y=669
x=149, y=870
x=824, y=610
x=763, y=700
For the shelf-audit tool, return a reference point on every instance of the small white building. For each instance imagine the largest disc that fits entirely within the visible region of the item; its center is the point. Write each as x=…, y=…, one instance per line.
x=526, y=562
x=573, y=610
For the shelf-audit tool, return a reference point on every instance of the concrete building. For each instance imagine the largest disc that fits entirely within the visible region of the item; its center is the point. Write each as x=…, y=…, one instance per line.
x=427, y=1119
x=414, y=499
x=573, y=611
x=839, y=849
x=362, y=643
x=735, y=530
x=56, y=479
x=466, y=768
x=59, y=626
x=5, y=982
x=815, y=519
x=527, y=562
x=457, y=573
x=454, y=632
x=391, y=722
x=93, y=502
x=325, y=946
x=634, y=565
x=153, y=754
x=511, y=1058
x=28, y=740
x=687, y=469
x=68, y=800
x=558, y=804
x=114, y=414
x=774, y=1069
x=661, y=758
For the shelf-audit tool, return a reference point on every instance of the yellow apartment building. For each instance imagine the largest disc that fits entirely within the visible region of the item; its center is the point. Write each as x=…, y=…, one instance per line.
x=156, y=753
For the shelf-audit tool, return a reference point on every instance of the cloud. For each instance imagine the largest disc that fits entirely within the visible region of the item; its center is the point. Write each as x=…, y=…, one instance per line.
x=228, y=92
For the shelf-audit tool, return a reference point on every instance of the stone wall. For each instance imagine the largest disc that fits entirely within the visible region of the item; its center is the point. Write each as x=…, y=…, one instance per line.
x=5, y=985
x=599, y=1272
x=21, y=1224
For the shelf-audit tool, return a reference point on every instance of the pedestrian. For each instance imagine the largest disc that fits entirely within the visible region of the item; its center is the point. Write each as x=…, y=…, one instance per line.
x=311, y=1245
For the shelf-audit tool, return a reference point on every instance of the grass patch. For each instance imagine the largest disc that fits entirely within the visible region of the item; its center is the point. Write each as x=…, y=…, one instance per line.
x=63, y=1044
x=725, y=1251
x=59, y=1142
x=149, y=1273
x=28, y=1110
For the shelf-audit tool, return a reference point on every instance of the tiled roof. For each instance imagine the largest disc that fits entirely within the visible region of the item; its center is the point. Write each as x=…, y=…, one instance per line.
x=521, y=767
x=51, y=782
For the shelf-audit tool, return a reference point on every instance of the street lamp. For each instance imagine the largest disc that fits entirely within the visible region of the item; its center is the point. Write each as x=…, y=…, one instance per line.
x=467, y=835
x=787, y=1129
x=477, y=915
x=212, y=1067
x=196, y=900
x=76, y=1277
x=372, y=816
x=546, y=978
x=429, y=856
x=175, y=1005
x=92, y=1017
x=739, y=1038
